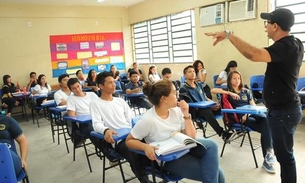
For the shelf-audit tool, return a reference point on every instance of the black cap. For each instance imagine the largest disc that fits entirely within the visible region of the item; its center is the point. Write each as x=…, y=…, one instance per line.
x=283, y=17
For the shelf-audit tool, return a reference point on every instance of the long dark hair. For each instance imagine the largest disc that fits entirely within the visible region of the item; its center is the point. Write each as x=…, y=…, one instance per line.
x=196, y=63
x=39, y=80
x=90, y=75
x=151, y=67
x=232, y=63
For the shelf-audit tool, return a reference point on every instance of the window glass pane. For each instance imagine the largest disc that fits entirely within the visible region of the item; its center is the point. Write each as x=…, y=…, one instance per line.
x=139, y=24
x=159, y=37
x=296, y=8
x=157, y=20
x=159, y=31
x=181, y=27
x=301, y=36
x=187, y=33
x=159, y=43
x=182, y=40
x=183, y=53
x=286, y=2
x=142, y=34
x=181, y=21
x=183, y=47
x=298, y=28
x=158, y=26
x=160, y=49
x=160, y=55
x=141, y=40
x=139, y=56
x=143, y=50
x=300, y=18
x=141, y=45
x=140, y=29
x=179, y=15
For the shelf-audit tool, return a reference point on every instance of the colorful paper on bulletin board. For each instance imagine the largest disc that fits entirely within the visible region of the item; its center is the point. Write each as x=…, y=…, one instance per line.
x=97, y=51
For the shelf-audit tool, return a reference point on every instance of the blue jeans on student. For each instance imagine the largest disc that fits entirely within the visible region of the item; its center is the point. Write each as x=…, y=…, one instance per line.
x=259, y=123
x=206, y=169
x=283, y=124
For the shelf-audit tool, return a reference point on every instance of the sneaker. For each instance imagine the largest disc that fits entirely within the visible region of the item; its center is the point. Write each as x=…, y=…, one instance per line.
x=113, y=163
x=269, y=158
x=268, y=168
x=228, y=136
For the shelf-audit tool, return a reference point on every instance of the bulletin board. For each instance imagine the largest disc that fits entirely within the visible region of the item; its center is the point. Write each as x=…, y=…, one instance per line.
x=97, y=51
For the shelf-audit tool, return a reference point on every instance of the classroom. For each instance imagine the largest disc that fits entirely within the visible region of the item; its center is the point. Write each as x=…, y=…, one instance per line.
x=28, y=27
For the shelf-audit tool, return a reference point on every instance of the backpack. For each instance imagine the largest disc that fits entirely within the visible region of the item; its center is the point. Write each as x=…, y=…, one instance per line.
x=229, y=118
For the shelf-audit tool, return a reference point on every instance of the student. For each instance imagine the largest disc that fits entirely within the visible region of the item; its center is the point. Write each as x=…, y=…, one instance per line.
x=193, y=91
x=167, y=74
x=135, y=86
x=91, y=81
x=8, y=101
x=135, y=67
x=160, y=121
x=110, y=113
x=42, y=87
x=78, y=104
x=32, y=82
x=115, y=73
x=80, y=76
x=284, y=59
x=153, y=75
x=62, y=94
x=201, y=74
x=222, y=77
x=10, y=131
x=239, y=96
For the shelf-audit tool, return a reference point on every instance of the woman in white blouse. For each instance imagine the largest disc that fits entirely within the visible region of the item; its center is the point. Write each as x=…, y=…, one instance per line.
x=42, y=88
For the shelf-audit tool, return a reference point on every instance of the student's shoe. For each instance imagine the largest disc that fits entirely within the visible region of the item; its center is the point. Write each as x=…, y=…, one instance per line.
x=228, y=136
x=269, y=158
x=144, y=179
x=268, y=168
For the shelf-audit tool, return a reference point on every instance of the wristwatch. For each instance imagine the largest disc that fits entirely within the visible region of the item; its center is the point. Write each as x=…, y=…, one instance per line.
x=227, y=33
x=188, y=117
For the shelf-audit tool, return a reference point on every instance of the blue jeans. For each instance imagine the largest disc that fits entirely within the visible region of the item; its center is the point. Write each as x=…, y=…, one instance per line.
x=206, y=169
x=283, y=124
x=259, y=123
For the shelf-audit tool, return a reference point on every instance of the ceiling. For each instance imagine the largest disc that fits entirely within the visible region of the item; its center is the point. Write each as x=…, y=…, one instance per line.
x=123, y=3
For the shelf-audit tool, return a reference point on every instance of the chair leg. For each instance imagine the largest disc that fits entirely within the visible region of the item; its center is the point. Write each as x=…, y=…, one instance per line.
x=87, y=156
x=252, y=149
x=223, y=148
x=65, y=137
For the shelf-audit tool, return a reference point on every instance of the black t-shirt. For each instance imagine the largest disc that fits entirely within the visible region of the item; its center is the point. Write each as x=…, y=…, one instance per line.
x=9, y=129
x=282, y=73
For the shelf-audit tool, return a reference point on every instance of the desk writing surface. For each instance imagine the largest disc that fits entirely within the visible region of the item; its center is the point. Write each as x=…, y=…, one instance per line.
x=301, y=92
x=48, y=103
x=135, y=94
x=79, y=118
x=21, y=94
x=202, y=104
x=243, y=111
x=253, y=107
x=122, y=134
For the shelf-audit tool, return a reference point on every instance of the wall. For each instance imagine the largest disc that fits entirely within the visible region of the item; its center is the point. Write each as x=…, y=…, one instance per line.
x=214, y=58
x=26, y=48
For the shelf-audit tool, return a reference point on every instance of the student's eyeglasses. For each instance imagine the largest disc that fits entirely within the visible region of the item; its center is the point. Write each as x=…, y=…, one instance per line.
x=267, y=22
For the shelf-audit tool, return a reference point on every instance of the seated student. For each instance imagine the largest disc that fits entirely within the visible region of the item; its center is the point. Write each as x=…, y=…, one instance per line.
x=62, y=95
x=115, y=73
x=193, y=91
x=167, y=74
x=78, y=104
x=32, y=82
x=153, y=75
x=91, y=81
x=239, y=96
x=135, y=67
x=135, y=86
x=80, y=76
x=8, y=101
x=166, y=117
x=201, y=74
x=10, y=130
x=110, y=113
x=42, y=87
x=222, y=78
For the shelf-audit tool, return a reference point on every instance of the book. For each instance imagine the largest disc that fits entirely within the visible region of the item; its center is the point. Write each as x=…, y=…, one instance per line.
x=177, y=142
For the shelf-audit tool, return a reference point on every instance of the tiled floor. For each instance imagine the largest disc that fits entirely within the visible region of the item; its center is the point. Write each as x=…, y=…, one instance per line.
x=49, y=162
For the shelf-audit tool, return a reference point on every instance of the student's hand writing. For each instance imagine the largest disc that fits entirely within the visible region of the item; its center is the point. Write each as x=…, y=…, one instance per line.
x=184, y=107
x=150, y=152
x=219, y=36
x=108, y=136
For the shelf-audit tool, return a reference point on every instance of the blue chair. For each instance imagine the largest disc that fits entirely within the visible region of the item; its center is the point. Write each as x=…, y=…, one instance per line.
x=300, y=83
x=182, y=80
x=214, y=81
x=235, y=126
x=119, y=89
x=257, y=85
x=7, y=174
x=122, y=134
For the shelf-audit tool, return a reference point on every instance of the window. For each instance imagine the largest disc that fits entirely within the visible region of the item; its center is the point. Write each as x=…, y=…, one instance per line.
x=297, y=7
x=168, y=39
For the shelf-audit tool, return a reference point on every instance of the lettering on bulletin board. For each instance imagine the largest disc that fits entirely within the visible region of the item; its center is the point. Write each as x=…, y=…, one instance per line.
x=97, y=51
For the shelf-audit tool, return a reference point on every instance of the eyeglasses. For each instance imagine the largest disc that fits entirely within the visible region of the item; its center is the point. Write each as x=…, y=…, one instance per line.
x=267, y=22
